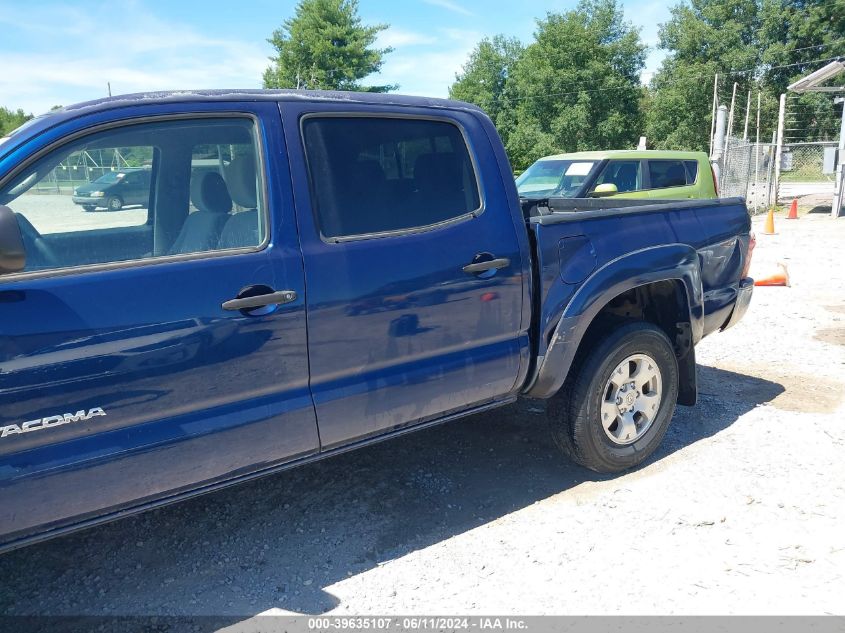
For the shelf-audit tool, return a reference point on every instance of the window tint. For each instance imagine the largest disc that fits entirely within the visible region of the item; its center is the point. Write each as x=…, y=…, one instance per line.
x=371, y=175
x=140, y=192
x=625, y=174
x=669, y=173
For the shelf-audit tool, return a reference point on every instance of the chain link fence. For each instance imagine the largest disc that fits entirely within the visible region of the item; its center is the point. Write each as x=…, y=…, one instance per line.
x=804, y=170
x=80, y=168
x=747, y=171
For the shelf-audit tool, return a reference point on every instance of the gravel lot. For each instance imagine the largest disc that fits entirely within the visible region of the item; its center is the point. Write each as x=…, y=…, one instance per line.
x=740, y=512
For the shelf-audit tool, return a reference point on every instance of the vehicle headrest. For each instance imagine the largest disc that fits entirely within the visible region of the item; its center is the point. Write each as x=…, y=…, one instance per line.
x=209, y=193
x=240, y=176
x=438, y=172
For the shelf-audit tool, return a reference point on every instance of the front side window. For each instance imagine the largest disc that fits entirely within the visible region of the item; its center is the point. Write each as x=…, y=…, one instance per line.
x=140, y=192
x=625, y=174
x=372, y=175
x=670, y=173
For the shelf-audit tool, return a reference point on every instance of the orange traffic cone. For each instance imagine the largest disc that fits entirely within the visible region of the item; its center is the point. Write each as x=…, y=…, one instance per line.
x=769, y=228
x=780, y=278
x=793, y=210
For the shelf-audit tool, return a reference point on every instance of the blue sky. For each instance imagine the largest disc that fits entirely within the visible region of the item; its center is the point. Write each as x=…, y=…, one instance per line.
x=60, y=52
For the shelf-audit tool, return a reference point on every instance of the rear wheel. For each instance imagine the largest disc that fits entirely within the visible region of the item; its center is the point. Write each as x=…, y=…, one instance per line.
x=618, y=400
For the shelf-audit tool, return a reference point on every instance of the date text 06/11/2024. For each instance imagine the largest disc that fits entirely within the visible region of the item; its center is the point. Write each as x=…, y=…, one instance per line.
x=416, y=623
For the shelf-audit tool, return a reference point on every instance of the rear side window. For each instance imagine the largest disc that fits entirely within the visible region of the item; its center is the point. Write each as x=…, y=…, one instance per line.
x=692, y=170
x=372, y=175
x=671, y=173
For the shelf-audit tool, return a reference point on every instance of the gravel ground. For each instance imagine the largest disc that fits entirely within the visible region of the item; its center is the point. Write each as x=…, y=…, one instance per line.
x=740, y=512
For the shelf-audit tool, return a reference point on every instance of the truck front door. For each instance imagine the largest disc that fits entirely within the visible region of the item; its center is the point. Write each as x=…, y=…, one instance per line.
x=144, y=352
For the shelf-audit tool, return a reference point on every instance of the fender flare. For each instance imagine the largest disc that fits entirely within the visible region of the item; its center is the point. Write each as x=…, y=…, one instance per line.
x=670, y=262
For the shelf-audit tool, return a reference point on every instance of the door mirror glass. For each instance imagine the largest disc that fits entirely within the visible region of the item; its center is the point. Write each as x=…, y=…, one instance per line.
x=12, y=254
x=603, y=190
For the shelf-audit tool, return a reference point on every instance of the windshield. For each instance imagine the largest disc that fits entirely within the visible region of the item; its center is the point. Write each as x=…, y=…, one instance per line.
x=109, y=177
x=554, y=177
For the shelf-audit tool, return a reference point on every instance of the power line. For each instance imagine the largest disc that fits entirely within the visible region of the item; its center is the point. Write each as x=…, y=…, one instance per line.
x=636, y=86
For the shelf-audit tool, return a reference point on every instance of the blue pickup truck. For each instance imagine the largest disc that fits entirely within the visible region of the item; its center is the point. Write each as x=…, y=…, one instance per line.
x=314, y=272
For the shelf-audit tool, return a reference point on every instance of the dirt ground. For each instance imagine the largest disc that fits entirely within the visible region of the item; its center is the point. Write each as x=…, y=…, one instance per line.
x=740, y=512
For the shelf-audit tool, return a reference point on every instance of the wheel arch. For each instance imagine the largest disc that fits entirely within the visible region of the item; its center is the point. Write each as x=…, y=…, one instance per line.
x=661, y=285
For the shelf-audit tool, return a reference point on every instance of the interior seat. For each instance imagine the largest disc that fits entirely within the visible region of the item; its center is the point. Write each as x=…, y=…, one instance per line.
x=241, y=228
x=201, y=229
x=625, y=178
x=440, y=189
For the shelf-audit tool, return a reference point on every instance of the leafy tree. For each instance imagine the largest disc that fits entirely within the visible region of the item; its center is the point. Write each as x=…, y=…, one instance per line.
x=484, y=77
x=704, y=37
x=325, y=46
x=576, y=87
x=11, y=119
x=760, y=44
x=794, y=35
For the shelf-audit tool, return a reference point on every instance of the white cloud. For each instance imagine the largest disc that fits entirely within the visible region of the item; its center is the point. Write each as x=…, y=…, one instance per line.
x=451, y=6
x=399, y=37
x=430, y=73
x=151, y=54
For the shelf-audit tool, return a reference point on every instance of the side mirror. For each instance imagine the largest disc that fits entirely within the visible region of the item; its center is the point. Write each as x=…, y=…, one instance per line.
x=606, y=189
x=12, y=253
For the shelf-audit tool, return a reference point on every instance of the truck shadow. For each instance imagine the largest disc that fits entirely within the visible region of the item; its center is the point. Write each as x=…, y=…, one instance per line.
x=284, y=540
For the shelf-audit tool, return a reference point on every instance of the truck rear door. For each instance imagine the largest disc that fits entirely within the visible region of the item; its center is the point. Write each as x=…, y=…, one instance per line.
x=412, y=264
x=148, y=350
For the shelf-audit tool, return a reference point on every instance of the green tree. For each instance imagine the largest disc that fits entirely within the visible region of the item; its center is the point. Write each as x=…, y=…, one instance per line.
x=11, y=119
x=484, y=77
x=325, y=46
x=794, y=35
x=759, y=44
x=704, y=37
x=576, y=87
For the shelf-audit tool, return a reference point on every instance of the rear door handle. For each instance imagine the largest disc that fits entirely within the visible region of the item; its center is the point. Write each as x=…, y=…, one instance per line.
x=490, y=264
x=258, y=301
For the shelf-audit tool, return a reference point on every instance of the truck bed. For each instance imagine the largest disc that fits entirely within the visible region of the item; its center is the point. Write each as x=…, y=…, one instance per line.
x=584, y=246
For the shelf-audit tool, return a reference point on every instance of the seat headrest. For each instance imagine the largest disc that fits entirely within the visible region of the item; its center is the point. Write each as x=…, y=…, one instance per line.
x=438, y=172
x=240, y=176
x=209, y=193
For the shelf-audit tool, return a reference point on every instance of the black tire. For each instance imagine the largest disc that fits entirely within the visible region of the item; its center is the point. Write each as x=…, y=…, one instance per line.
x=89, y=207
x=574, y=413
x=114, y=203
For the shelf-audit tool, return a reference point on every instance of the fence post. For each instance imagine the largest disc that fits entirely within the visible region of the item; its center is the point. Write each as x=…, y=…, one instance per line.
x=747, y=112
x=713, y=110
x=839, y=180
x=779, y=145
x=717, y=156
x=757, y=144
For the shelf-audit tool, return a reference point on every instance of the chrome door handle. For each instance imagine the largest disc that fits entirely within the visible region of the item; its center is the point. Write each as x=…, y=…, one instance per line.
x=258, y=301
x=490, y=264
